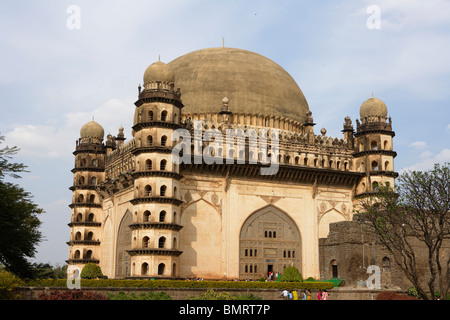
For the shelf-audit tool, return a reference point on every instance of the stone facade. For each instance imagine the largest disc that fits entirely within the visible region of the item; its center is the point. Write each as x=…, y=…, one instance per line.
x=149, y=216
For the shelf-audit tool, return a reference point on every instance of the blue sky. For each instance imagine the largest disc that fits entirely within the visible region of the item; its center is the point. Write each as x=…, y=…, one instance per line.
x=55, y=79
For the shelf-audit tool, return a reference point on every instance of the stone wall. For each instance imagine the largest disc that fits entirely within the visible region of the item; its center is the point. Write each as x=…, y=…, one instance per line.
x=350, y=248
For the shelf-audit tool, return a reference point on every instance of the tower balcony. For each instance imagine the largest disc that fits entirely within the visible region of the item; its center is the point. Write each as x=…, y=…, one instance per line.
x=156, y=199
x=154, y=251
x=84, y=242
x=155, y=225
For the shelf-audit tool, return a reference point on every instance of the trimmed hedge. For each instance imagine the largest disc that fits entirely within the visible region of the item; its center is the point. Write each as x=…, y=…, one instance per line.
x=157, y=284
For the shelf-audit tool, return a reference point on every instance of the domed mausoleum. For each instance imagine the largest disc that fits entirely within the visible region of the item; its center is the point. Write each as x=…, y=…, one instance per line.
x=224, y=175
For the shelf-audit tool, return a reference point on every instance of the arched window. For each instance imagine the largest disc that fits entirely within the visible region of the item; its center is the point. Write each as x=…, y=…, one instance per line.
x=91, y=217
x=161, y=242
x=148, y=165
x=164, y=115
x=385, y=145
x=161, y=268
x=81, y=181
x=144, y=269
x=147, y=191
x=77, y=254
x=162, y=191
x=375, y=186
x=79, y=217
x=162, y=216
x=174, y=192
x=93, y=181
x=174, y=243
x=149, y=141
x=92, y=198
x=78, y=236
x=305, y=161
x=90, y=236
x=95, y=163
x=163, y=141
x=386, y=166
x=146, y=216
x=150, y=115
x=162, y=165
x=373, y=145
x=145, y=242
x=88, y=254
x=374, y=165
x=80, y=198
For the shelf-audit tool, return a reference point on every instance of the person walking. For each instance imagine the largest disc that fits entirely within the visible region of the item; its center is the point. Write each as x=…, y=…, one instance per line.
x=324, y=295
x=285, y=294
x=319, y=295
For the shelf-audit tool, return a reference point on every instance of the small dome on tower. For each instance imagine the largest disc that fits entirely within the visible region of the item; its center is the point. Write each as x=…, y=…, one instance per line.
x=92, y=130
x=373, y=107
x=159, y=71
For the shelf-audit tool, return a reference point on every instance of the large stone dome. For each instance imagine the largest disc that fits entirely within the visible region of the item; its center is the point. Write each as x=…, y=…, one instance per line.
x=252, y=83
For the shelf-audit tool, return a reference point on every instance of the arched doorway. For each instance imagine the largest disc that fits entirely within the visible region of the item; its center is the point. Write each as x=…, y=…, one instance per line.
x=123, y=244
x=269, y=242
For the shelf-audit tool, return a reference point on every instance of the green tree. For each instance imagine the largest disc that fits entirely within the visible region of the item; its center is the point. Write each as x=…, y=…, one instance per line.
x=19, y=222
x=416, y=217
x=91, y=271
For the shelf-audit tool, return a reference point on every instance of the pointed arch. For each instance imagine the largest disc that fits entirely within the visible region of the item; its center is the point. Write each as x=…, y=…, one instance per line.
x=123, y=244
x=269, y=231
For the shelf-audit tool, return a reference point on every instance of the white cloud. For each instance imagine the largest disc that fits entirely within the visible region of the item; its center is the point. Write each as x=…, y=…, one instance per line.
x=419, y=144
x=428, y=160
x=57, y=139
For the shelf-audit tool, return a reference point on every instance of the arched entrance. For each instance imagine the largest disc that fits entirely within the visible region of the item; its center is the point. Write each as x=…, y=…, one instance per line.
x=123, y=244
x=269, y=242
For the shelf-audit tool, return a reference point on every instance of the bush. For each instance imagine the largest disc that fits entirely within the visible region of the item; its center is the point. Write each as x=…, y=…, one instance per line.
x=160, y=284
x=291, y=274
x=91, y=271
x=8, y=282
x=72, y=295
x=412, y=291
x=142, y=296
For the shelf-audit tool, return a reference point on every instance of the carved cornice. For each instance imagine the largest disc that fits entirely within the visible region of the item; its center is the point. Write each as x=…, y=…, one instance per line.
x=155, y=225
x=151, y=252
x=156, y=124
x=157, y=173
x=84, y=242
x=84, y=224
x=370, y=152
x=291, y=173
x=85, y=204
x=173, y=201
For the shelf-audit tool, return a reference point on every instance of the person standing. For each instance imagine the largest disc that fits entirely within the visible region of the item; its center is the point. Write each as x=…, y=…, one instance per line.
x=324, y=295
x=319, y=295
x=285, y=294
